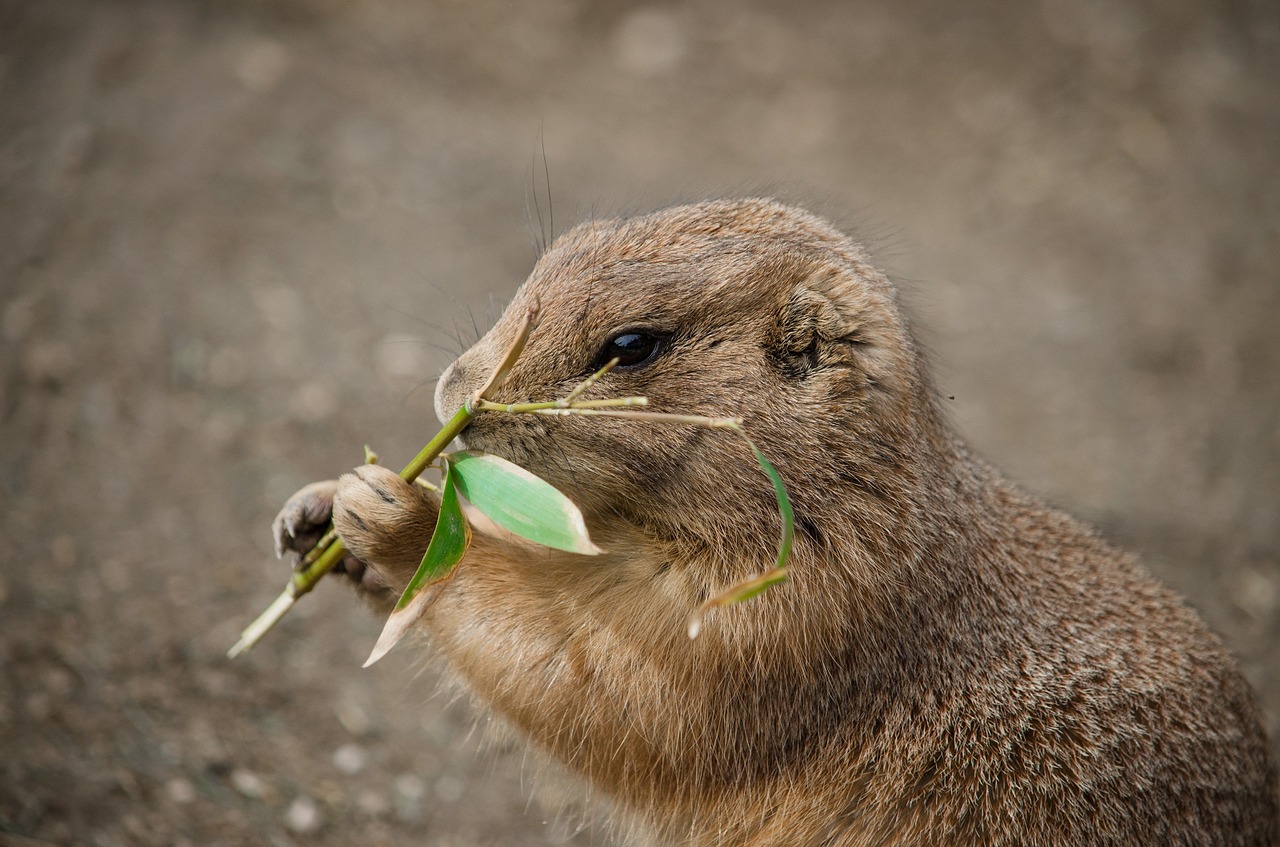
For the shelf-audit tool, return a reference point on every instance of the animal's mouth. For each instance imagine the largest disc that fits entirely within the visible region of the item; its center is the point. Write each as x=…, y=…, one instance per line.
x=477, y=438
x=528, y=444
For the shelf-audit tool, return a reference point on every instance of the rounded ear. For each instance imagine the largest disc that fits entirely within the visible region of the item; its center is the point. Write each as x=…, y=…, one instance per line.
x=809, y=316
x=819, y=315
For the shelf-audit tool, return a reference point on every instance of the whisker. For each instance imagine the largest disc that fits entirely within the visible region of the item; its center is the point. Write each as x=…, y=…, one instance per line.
x=537, y=207
x=433, y=345
x=476, y=329
x=546, y=175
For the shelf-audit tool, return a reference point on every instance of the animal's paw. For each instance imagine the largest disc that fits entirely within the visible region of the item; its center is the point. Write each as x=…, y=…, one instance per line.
x=384, y=522
x=304, y=518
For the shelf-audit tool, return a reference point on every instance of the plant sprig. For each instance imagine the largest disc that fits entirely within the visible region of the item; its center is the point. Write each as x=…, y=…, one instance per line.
x=513, y=498
x=329, y=550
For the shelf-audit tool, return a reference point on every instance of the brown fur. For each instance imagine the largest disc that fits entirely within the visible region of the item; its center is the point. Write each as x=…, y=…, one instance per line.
x=951, y=662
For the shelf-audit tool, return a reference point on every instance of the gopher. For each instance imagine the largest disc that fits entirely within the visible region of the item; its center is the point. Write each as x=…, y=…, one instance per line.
x=951, y=662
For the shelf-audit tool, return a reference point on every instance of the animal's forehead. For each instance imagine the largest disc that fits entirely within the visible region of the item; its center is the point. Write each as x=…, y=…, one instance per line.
x=660, y=292
x=705, y=265
x=614, y=269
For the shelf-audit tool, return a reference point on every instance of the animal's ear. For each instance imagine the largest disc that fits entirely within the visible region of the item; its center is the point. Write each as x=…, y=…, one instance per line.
x=809, y=317
x=812, y=321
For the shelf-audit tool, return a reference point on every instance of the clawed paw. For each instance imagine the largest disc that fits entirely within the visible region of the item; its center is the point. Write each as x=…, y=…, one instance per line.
x=385, y=523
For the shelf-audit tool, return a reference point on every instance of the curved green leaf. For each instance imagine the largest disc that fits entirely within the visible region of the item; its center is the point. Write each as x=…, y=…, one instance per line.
x=449, y=541
x=521, y=502
x=756, y=585
x=784, y=507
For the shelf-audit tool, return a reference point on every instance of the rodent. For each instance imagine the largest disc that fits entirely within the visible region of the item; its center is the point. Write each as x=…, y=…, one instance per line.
x=951, y=661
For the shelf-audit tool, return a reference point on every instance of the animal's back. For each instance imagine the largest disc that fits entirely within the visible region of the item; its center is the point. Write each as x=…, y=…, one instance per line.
x=1073, y=700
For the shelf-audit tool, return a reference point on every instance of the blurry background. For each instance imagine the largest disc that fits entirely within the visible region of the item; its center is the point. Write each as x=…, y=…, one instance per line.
x=240, y=239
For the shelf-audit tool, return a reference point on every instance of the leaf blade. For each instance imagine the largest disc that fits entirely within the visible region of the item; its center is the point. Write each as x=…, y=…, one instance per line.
x=756, y=585
x=521, y=502
x=449, y=541
x=784, y=506
x=735, y=593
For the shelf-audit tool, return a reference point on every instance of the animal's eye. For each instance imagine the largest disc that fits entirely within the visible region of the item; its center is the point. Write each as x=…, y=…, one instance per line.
x=633, y=348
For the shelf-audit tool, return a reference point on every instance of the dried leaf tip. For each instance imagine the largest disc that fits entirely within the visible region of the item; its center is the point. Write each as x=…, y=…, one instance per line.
x=512, y=353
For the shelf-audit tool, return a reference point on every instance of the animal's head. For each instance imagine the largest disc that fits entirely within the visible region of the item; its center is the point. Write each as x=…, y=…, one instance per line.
x=744, y=308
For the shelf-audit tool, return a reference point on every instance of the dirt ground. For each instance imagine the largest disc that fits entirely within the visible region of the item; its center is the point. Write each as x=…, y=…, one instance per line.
x=240, y=239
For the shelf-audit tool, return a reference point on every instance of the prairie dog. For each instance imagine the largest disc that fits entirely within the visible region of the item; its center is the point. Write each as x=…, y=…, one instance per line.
x=951, y=662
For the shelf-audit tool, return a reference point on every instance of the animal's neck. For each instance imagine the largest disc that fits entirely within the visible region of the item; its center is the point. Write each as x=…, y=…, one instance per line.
x=683, y=733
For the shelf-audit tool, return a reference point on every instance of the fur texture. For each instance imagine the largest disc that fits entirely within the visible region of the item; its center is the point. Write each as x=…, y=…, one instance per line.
x=952, y=662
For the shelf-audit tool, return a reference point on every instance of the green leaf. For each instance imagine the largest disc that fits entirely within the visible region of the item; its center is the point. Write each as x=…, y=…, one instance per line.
x=784, y=508
x=449, y=541
x=756, y=585
x=518, y=501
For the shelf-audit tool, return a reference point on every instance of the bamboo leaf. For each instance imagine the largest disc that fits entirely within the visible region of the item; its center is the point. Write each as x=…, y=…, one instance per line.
x=521, y=502
x=401, y=621
x=756, y=585
x=784, y=507
x=449, y=542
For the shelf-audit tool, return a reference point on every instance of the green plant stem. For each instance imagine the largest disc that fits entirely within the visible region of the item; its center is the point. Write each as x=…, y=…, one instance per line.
x=588, y=382
x=652, y=417
x=558, y=405
x=306, y=577
x=329, y=550
x=325, y=556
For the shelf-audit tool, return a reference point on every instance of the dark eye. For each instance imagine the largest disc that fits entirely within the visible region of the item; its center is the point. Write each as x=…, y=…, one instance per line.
x=632, y=349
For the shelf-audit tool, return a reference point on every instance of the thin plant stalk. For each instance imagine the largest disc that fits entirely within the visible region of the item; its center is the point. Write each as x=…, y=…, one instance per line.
x=331, y=549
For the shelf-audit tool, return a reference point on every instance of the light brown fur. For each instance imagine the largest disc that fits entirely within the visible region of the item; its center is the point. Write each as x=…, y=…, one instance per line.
x=952, y=662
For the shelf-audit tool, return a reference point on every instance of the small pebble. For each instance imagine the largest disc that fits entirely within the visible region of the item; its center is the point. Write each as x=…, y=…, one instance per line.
x=63, y=551
x=312, y=403
x=353, y=717
x=247, y=783
x=262, y=64
x=408, y=797
x=39, y=705
x=303, y=816
x=280, y=305
x=410, y=786
x=649, y=41
x=58, y=681
x=227, y=367
x=448, y=789
x=1257, y=593
x=355, y=198
x=17, y=319
x=115, y=575
x=48, y=363
x=350, y=758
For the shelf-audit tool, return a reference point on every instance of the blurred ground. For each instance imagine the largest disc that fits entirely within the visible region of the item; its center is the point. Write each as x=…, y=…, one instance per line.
x=240, y=239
